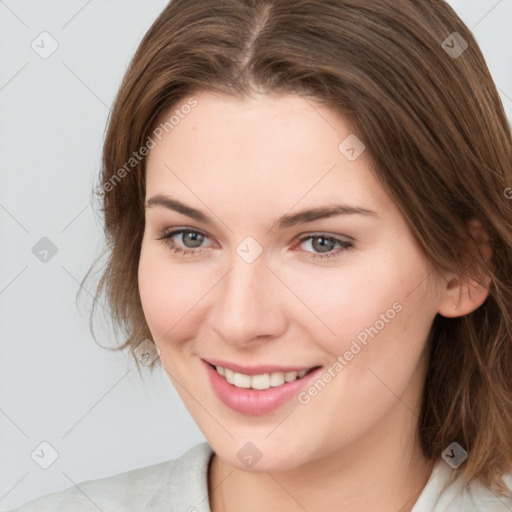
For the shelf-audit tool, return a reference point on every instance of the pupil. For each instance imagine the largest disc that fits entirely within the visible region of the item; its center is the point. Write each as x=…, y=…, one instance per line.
x=194, y=237
x=322, y=247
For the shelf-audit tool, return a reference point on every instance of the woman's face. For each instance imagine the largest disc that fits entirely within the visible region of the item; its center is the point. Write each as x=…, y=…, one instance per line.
x=349, y=292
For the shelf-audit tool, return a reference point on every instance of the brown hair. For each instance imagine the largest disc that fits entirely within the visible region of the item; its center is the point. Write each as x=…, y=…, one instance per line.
x=438, y=138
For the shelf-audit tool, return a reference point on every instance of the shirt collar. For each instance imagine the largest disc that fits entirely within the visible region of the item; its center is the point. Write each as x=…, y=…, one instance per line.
x=186, y=483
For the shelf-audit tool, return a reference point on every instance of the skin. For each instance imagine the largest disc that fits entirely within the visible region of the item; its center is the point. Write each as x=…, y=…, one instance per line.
x=245, y=164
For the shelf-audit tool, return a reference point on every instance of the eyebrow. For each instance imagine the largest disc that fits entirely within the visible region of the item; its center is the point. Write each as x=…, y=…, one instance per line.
x=283, y=222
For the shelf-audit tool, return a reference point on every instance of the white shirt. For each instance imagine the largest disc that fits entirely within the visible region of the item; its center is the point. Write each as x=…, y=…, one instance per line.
x=181, y=485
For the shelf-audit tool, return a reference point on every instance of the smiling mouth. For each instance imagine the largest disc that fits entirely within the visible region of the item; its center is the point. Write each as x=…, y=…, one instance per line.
x=262, y=381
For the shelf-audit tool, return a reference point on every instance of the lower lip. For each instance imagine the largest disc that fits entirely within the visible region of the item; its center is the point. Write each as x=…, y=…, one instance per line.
x=252, y=401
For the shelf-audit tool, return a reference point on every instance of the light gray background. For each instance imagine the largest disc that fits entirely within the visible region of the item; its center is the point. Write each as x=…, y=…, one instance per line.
x=56, y=384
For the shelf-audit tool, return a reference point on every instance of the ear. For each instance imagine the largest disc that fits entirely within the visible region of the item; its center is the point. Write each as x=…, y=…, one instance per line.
x=464, y=295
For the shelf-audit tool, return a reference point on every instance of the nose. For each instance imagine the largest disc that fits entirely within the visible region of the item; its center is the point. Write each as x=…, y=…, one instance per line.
x=248, y=304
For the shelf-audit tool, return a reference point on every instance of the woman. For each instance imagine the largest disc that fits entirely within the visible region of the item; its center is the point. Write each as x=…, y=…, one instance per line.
x=308, y=214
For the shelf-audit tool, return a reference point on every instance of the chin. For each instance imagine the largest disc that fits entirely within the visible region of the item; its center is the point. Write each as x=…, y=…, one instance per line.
x=261, y=456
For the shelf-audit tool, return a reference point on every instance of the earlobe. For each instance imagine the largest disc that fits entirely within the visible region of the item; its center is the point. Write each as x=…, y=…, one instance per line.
x=465, y=294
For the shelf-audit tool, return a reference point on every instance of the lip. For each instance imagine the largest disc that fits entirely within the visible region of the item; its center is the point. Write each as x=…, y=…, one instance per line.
x=256, y=370
x=255, y=402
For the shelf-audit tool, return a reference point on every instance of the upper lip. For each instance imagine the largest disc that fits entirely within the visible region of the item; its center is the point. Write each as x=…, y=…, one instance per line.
x=257, y=369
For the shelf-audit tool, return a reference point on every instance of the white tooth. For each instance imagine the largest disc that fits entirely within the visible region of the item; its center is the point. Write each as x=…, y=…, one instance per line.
x=290, y=376
x=241, y=380
x=229, y=375
x=276, y=379
x=260, y=381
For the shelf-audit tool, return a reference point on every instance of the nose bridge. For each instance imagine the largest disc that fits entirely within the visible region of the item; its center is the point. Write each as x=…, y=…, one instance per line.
x=245, y=304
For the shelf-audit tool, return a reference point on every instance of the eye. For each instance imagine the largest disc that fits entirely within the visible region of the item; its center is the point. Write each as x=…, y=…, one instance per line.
x=191, y=240
x=325, y=244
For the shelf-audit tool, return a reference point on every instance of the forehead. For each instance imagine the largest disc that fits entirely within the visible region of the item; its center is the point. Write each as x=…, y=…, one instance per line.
x=271, y=150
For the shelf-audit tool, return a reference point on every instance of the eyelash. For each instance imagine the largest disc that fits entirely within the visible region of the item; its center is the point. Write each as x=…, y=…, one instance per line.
x=166, y=237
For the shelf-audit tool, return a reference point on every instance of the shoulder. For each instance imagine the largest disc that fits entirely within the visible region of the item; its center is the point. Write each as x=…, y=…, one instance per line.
x=136, y=490
x=445, y=491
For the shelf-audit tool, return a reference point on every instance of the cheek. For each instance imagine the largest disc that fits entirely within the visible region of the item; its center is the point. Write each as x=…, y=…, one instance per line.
x=370, y=312
x=169, y=294
x=381, y=319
